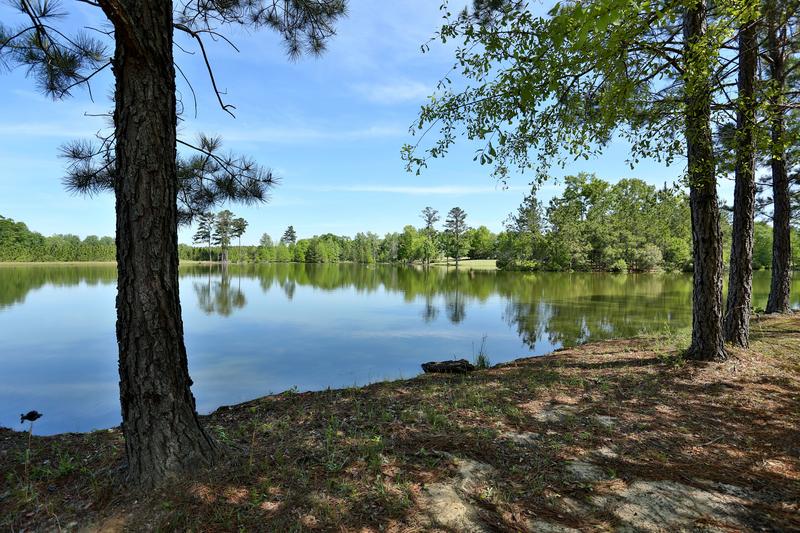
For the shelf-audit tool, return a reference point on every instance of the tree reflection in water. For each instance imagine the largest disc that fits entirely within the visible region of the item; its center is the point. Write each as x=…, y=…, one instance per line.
x=217, y=296
x=560, y=308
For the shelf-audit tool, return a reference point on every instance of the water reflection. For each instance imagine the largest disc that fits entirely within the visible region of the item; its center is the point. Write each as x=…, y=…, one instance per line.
x=430, y=312
x=217, y=296
x=561, y=308
x=16, y=281
x=255, y=329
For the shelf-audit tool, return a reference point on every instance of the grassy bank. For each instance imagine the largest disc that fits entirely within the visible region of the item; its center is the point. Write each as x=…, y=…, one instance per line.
x=597, y=437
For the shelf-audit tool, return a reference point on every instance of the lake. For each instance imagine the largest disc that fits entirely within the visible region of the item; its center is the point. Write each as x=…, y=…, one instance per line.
x=252, y=330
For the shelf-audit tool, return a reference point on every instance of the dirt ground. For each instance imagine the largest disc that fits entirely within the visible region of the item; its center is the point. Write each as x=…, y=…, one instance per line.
x=619, y=435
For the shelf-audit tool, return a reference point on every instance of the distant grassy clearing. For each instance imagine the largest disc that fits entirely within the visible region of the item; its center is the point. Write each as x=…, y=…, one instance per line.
x=474, y=264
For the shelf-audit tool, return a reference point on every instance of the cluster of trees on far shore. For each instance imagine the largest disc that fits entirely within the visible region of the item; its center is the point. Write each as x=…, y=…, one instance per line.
x=425, y=244
x=18, y=243
x=593, y=225
x=629, y=226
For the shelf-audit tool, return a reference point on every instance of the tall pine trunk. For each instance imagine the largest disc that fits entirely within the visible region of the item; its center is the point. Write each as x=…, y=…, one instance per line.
x=740, y=280
x=163, y=436
x=778, y=301
x=707, y=341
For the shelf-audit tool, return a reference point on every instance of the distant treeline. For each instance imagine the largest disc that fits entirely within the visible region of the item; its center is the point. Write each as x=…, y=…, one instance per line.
x=410, y=246
x=18, y=243
x=629, y=226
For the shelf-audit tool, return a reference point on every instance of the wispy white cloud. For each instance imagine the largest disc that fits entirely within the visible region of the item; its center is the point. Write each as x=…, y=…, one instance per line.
x=410, y=190
x=49, y=129
x=302, y=134
x=279, y=134
x=393, y=92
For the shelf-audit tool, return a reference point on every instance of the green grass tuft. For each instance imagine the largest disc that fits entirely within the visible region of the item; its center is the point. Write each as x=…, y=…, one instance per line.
x=481, y=360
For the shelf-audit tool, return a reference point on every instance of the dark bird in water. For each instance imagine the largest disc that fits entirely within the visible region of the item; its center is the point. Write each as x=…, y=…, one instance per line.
x=30, y=415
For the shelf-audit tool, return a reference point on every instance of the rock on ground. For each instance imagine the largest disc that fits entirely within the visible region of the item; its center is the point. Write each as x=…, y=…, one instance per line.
x=448, y=509
x=448, y=501
x=662, y=506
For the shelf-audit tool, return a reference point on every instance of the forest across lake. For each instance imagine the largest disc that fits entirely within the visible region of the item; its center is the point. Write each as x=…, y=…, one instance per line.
x=256, y=329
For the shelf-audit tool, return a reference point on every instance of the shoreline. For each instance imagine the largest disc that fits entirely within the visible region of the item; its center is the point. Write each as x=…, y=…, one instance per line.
x=51, y=263
x=476, y=264
x=605, y=435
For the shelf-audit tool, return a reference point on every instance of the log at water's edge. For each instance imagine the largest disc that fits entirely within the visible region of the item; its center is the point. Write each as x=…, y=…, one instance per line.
x=459, y=366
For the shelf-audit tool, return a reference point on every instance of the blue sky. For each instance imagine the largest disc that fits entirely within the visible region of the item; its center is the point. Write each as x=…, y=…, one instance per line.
x=330, y=127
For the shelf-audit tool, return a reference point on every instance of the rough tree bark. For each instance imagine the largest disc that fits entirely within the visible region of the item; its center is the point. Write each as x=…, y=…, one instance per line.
x=163, y=436
x=778, y=301
x=707, y=340
x=740, y=279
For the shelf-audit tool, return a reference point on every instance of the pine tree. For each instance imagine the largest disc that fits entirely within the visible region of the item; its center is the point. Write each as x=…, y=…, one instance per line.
x=163, y=434
x=205, y=230
x=238, y=227
x=431, y=217
x=740, y=274
x=223, y=231
x=289, y=236
x=455, y=227
x=780, y=16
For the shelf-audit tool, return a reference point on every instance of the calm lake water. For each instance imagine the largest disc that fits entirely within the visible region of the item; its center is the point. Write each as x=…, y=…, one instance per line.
x=253, y=330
